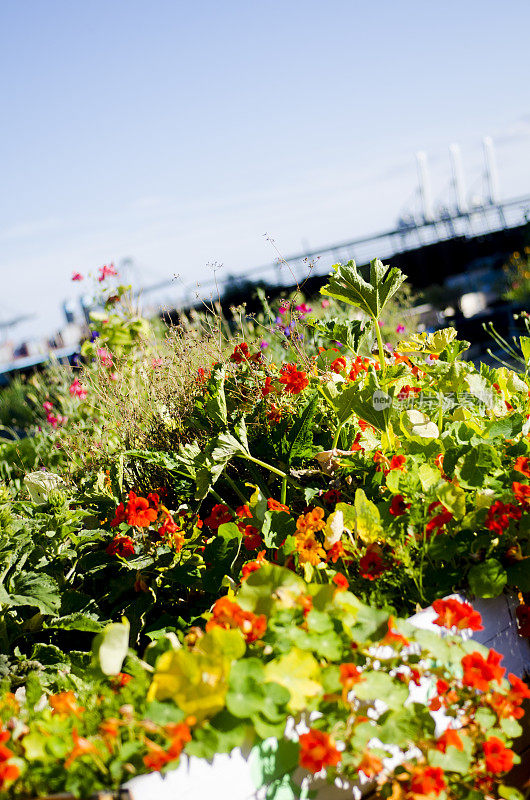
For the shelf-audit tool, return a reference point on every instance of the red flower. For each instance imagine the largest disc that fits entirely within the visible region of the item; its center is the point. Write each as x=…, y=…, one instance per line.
x=244, y=512
x=76, y=276
x=267, y=386
x=168, y=527
x=519, y=690
x=372, y=565
x=427, y=780
x=449, y=738
x=392, y=636
x=252, y=538
x=122, y=546
x=453, y=613
x=370, y=764
x=522, y=493
x=338, y=365
x=498, y=757
x=499, y=516
x=317, y=750
x=439, y=520
x=398, y=506
x=340, y=582
x=119, y=516
x=294, y=380
x=331, y=497
x=253, y=566
x=359, y=365
x=228, y=615
x=240, y=353
x=522, y=464
x=274, y=505
x=139, y=511
x=218, y=516
x=350, y=674
x=478, y=672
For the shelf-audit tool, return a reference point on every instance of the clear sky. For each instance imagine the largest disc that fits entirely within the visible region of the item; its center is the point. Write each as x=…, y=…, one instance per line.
x=178, y=132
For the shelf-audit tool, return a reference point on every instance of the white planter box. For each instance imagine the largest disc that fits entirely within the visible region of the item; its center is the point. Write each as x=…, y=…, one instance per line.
x=235, y=776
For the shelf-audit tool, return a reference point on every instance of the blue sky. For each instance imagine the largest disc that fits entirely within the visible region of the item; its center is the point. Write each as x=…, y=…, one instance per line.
x=179, y=133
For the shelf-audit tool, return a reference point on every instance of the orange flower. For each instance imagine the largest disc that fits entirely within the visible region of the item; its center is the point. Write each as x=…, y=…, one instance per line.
x=340, y=581
x=156, y=757
x=273, y=505
x=244, y=512
x=311, y=522
x=498, y=757
x=478, y=672
x=8, y=772
x=338, y=365
x=371, y=765
x=119, y=516
x=110, y=727
x=427, y=780
x=317, y=750
x=309, y=550
x=253, y=566
x=392, y=636
x=139, y=511
x=227, y=615
x=65, y=703
x=82, y=747
x=454, y=614
x=522, y=464
x=449, y=738
x=521, y=492
x=350, y=674
x=122, y=546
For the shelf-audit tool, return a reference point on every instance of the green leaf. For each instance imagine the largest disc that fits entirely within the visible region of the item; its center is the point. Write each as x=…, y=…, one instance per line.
x=519, y=574
x=215, y=402
x=33, y=589
x=367, y=518
x=348, y=285
x=453, y=760
x=428, y=342
x=509, y=792
x=301, y=436
x=453, y=498
x=417, y=426
x=109, y=647
x=349, y=332
x=479, y=463
x=487, y=579
x=380, y=685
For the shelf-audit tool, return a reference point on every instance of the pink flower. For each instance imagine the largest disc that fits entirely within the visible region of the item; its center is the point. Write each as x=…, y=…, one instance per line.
x=47, y=406
x=104, y=356
x=106, y=272
x=157, y=362
x=76, y=276
x=78, y=390
x=283, y=309
x=400, y=328
x=56, y=421
x=303, y=309
x=325, y=303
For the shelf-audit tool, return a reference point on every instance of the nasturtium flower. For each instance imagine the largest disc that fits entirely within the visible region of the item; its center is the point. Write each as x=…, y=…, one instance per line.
x=454, y=613
x=240, y=354
x=479, y=672
x=398, y=507
x=372, y=565
x=339, y=365
x=426, y=781
x=252, y=566
x=370, y=765
x=274, y=505
x=82, y=747
x=140, y=512
x=499, y=758
x=340, y=582
x=522, y=464
x=449, y=738
x=218, y=516
x=317, y=750
x=122, y=546
x=119, y=517
x=228, y=615
x=294, y=380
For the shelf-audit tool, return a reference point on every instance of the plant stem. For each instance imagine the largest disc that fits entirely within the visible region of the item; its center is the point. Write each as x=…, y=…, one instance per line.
x=235, y=488
x=283, y=494
x=265, y=466
x=336, y=436
x=380, y=346
x=221, y=501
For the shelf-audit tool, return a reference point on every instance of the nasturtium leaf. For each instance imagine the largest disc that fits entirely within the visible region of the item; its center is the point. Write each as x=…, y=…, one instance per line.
x=429, y=476
x=509, y=792
x=453, y=498
x=367, y=520
x=110, y=647
x=487, y=579
x=270, y=586
x=298, y=672
x=418, y=426
x=453, y=760
x=379, y=685
x=347, y=284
